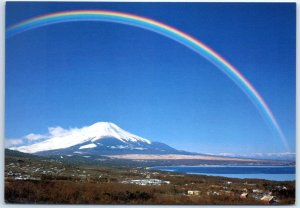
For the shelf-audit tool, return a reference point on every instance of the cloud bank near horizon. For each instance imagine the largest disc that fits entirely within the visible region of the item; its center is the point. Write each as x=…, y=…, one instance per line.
x=32, y=137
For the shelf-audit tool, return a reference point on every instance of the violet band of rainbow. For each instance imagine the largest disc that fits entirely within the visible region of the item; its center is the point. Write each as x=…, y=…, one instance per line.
x=165, y=30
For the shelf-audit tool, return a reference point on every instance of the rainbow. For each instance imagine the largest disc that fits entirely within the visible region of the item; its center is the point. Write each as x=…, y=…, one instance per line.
x=165, y=30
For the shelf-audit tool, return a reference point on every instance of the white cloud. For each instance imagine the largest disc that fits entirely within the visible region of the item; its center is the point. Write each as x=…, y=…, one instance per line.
x=34, y=137
x=12, y=142
x=57, y=131
x=52, y=132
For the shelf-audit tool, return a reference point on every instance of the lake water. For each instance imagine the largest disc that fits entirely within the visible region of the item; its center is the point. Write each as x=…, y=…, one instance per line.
x=277, y=173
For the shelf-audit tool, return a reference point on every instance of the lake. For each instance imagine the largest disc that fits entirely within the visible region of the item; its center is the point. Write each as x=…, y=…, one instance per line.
x=277, y=173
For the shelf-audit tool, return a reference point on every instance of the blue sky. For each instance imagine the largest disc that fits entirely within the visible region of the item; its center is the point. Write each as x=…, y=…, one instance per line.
x=75, y=74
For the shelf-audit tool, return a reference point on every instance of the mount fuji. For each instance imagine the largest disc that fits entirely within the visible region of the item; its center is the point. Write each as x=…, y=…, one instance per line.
x=102, y=138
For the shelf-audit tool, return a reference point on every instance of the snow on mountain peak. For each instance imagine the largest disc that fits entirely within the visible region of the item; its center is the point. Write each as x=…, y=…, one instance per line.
x=107, y=129
x=71, y=137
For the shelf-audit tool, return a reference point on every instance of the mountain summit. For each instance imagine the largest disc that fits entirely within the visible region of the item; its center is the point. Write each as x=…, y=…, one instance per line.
x=101, y=138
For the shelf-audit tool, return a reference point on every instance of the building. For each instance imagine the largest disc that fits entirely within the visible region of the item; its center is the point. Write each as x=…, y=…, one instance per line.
x=244, y=195
x=268, y=199
x=193, y=192
x=144, y=182
x=257, y=191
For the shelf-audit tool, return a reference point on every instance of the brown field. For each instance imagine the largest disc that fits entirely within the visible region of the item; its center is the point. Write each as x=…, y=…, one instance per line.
x=176, y=157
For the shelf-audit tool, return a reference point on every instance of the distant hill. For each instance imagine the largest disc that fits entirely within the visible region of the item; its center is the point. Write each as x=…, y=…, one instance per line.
x=286, y=156
x=13, y=153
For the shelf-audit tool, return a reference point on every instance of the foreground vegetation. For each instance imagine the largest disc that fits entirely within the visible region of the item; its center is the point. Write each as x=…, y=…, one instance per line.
x=48, y=181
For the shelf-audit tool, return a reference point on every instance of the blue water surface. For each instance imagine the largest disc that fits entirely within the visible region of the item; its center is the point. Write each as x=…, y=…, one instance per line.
x=277, y=173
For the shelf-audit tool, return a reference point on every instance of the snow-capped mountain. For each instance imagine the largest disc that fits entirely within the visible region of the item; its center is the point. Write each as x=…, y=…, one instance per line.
x=101, y=138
